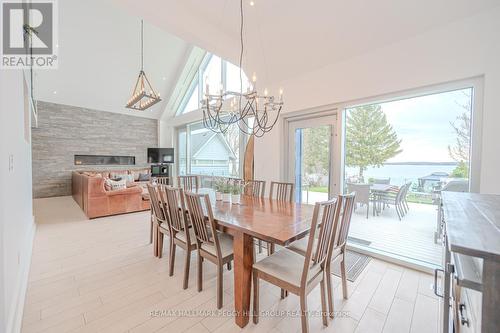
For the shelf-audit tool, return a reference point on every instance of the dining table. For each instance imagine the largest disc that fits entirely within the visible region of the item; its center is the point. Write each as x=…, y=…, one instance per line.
x=270, y=220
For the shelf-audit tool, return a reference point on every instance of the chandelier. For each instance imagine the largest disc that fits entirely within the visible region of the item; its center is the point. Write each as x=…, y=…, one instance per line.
x=254, y=114
x=143, y=95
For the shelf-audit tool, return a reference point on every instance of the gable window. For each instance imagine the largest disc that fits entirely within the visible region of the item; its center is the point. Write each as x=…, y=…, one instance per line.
x=203, y=152
x=219, y=74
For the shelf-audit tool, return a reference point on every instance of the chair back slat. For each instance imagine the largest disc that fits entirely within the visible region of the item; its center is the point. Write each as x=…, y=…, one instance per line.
x=176, y=208
x=255, y=188
x=205, y=232
x=188, y=183
x=163, y=180
x=284, y=191
x=346, y=206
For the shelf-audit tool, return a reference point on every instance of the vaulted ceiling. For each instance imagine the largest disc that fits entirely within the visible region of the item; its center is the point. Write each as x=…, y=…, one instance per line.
x=287, y=38
x=99, y=40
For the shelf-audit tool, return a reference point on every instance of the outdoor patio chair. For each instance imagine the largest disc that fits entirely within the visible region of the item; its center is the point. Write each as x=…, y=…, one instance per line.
x=396, y=197
x=362, y=195
x=385, y=181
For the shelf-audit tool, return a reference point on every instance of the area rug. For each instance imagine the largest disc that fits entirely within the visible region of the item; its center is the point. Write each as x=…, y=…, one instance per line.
x=354, y=264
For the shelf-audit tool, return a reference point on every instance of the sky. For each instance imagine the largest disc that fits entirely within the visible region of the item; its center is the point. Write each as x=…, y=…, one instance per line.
x=423, y=125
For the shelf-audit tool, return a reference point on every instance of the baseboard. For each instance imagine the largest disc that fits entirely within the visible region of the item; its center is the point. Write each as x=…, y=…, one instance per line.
x=15, y=321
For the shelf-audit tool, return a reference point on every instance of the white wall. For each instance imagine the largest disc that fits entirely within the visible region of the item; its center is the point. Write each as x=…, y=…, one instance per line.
x=460, y=50
x=16, y=213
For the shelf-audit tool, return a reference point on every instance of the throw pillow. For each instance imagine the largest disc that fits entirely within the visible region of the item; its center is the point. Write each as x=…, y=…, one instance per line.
x=112, y=185
x=144, y=177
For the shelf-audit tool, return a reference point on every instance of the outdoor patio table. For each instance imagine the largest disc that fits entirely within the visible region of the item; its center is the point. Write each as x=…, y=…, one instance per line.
x=378, y=191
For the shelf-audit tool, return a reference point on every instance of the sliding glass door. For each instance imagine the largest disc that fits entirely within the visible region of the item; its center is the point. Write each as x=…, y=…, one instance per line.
x=310, y=158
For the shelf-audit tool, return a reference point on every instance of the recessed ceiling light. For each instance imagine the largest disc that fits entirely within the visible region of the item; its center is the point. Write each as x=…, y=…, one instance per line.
x=55, y=92
x=164, y=78
x=252, y=3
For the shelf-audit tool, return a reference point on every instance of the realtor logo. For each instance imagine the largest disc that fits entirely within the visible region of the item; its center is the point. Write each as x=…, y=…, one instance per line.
x=29, y=34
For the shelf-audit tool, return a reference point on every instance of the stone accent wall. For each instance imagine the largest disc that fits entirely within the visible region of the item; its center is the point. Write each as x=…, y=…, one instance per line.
x=64, y=131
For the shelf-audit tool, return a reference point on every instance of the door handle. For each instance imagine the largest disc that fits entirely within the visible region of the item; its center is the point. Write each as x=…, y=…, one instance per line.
x=436, y=270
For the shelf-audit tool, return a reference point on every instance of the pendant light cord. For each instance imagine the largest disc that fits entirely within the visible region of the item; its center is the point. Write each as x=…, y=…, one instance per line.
x=142, y=45
x=241, y=52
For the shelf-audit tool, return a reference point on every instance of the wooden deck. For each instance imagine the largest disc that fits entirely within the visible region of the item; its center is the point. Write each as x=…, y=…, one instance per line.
x=412, y=237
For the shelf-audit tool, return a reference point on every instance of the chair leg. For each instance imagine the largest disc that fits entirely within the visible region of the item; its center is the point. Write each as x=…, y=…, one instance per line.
x=344, y=276
x=303, y=312
x=228, y=265
x=260, y=246
x=329, y=295
x=155, y=241
x=220, y=289
x=255, y=297
x=186, y=268
x=151, y=231
x=200, y=272
x=282, y=293
x=172, y=259
x=323, y=303
x=160, y=244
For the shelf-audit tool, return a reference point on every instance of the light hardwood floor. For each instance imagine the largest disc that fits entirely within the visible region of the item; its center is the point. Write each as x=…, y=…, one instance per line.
x=100, y=276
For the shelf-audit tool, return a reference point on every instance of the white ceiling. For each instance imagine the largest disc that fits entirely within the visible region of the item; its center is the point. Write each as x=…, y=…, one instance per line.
x=99, y=59
x=287, y=38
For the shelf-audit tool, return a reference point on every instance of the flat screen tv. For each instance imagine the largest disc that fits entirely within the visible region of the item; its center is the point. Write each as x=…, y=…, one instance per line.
x=160, y=155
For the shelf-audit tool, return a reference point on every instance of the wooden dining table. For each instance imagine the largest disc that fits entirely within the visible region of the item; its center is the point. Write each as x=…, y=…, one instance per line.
x=266, y=219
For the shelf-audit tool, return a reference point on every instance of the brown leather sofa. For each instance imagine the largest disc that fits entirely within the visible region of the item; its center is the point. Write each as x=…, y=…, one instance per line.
x=90, y=193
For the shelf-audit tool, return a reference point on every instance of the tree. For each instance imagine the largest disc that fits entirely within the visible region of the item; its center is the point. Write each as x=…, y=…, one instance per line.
x=460, y=150
x=316, y=149
x=370, y=139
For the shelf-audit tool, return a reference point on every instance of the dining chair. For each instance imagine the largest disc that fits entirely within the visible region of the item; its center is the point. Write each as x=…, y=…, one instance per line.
x=362, y=194
x=255, y=188
x=384, y=181
x=284, y=191
x=188, y=183
x=301, y=274
x=215, y=246
x=345, y=204
x=160, y=220
x=181, y=234
x=163, y=180
x=395, y=197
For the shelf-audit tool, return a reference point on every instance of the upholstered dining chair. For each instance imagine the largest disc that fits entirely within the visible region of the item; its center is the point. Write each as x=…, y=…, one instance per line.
x=160, y=220
x=301, y=274
x=284, y=191
x=181, y=234
x=188, y=183
x=345, y=204
x=215, y=246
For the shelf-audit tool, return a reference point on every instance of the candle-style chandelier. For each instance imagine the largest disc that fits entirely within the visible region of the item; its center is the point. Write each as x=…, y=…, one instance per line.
x=254, y=114
x=143, y=96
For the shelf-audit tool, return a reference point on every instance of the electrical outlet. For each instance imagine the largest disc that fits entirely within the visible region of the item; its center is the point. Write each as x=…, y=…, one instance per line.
x=11, y=163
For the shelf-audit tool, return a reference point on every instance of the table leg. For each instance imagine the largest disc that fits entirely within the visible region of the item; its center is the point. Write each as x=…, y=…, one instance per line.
x=243, y=260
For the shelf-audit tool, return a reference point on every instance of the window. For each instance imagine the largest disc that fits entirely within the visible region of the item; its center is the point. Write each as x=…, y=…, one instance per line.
x=216, y=72
x=214, y=154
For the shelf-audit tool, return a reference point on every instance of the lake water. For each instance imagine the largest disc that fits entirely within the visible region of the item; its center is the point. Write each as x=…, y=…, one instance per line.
x=401, y=173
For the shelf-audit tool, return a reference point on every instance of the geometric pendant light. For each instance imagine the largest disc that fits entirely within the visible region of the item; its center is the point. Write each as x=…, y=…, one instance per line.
x=143, y=95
